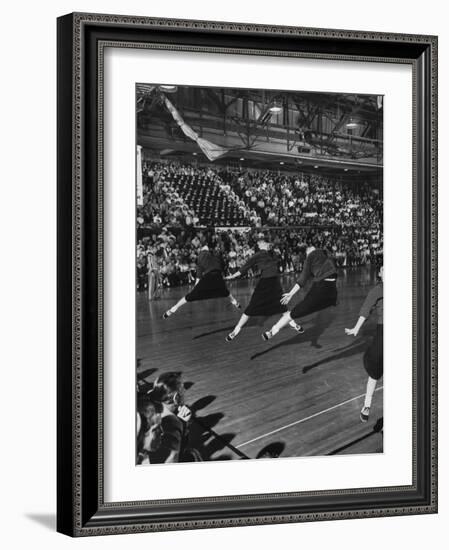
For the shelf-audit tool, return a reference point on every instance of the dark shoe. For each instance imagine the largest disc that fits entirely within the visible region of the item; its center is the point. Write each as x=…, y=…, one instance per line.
x=167, y=314
x=267, y=335
x=364, y=414
x=230, y=337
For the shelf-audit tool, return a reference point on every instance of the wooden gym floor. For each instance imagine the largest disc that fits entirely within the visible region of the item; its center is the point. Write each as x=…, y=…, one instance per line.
x=296, y=395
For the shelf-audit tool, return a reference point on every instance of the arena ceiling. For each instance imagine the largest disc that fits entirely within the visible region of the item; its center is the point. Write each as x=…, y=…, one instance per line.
x=286, y=128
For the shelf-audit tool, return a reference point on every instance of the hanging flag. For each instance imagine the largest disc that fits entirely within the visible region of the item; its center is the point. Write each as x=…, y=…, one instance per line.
x=139, y=190
x=211, y=150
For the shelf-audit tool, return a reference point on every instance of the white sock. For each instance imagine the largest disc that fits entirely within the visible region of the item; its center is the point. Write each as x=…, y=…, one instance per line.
x=370, y=387
x=277, y=327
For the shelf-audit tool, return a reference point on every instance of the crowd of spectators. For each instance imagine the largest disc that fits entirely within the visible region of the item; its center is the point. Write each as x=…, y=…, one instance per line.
x=181, y=201
x=282, y=199
x=162, y=204
x=180, y=195
x=174, y=252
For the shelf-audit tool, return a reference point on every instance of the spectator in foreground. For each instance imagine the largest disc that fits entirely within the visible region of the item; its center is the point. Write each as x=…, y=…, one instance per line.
x=148, y=429
x=168, y=394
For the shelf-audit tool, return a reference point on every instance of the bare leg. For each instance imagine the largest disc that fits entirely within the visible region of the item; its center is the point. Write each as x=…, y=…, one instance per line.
x=238, y=327
x=370, y=387
x=175, y=308
x=285, y=320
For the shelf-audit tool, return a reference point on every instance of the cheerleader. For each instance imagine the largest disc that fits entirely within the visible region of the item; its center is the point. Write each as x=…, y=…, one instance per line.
x=373, y=359
x=319, y=268
x=266, y=298
x=209, y=282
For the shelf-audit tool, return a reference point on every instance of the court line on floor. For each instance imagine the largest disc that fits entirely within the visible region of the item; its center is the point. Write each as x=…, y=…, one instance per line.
x=304, y=419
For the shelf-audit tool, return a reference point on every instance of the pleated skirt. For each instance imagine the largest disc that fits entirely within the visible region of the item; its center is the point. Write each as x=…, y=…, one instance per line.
x=211, y=285
x=266, y=297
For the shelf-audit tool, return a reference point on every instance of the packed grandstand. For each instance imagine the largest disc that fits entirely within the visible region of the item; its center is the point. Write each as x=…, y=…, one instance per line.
x=185, y=204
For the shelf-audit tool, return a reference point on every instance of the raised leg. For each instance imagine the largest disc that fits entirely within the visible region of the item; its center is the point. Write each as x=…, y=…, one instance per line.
x=174, y=308
x=296, y=326
x=238, y=327
x=370, y=387
x=283, y=321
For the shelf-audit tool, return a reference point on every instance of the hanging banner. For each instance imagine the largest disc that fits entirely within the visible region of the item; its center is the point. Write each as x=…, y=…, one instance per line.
x=139, y=190
x=211, y=150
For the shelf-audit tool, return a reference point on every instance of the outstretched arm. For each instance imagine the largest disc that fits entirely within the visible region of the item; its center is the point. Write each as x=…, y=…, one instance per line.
x=233, y=276
x=243, y=269
x=355, y=330
x=289, y=295
x=374, y=295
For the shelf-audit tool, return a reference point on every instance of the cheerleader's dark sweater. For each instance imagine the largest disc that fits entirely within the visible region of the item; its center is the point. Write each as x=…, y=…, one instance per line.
x=318, y=266
x=266, y=262
x=374, y=300
x=207, y=262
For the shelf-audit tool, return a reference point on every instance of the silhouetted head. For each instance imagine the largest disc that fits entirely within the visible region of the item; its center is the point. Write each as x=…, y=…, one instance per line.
x=168, y=390
x=262, y=242
x=147, y=407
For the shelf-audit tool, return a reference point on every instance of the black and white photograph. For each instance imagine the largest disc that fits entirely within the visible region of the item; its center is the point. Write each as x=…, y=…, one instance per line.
x=211, y=200
x=259, y=273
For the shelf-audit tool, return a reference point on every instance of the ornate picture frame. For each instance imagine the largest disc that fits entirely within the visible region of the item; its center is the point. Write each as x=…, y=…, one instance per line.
x=81, y=507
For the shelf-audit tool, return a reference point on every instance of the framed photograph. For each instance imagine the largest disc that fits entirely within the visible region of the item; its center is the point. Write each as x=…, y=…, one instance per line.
x=247, y=280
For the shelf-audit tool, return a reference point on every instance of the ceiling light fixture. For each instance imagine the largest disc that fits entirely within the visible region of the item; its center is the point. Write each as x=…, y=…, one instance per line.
x=275, y=107
x=168, y=88
x=352, y=123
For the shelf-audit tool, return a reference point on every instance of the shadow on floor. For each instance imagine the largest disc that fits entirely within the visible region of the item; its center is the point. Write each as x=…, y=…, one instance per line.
x=273, y=450
x=207, y=441
x=202, y=403
x=323, y=320
x=377, y=429
x=252, y=322
x=46, y=520
x=352, y=349
x=217, y=331
x=145, y=374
